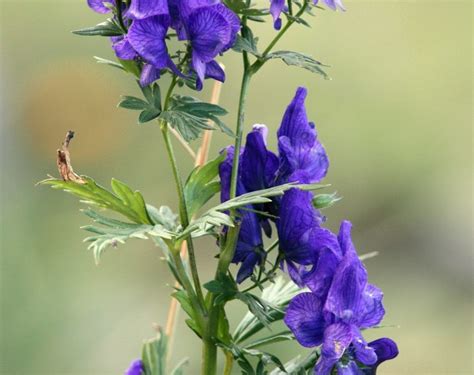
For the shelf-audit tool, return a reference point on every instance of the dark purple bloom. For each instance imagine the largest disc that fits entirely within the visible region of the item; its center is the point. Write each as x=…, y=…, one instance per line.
x=136, y=368
x=141, y=9
x=147, y=37
x=302, y=156
x=335, y=320
x=258, y=170
x=302, y=239
x=99, y=6
x=214, y=71
x=249, y=249
x=210, y=27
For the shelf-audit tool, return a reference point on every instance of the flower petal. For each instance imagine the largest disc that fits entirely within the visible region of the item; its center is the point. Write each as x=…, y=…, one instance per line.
x=141, y=9
x=337, y=338
x=373, y=311
x=363, y=352
x=147, y=37
x=136, y=368
x=302, y=156
x=276, y=7
x=149, y=75
x=345, y=297
x=123, y=49
x=98, y=5
x=385, y=349
x=209, y=32
x=305, y=319
x=319, y=278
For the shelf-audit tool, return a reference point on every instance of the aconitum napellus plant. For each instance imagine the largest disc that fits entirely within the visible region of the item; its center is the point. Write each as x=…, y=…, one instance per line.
x=274, y=251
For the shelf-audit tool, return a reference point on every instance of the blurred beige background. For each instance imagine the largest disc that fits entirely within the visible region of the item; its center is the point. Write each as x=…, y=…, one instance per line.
x=395, y=119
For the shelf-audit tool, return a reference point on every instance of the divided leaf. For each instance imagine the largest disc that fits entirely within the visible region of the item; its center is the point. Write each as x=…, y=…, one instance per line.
x=112, y=232
x=123, y=200
x=150, y=109
x=299, y=59
x=190, y=117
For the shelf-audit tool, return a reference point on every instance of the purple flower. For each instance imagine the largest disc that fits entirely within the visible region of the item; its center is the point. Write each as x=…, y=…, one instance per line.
x=258, y=170
x=122, y=48
x=147, y=37
x=333, y=4
x=335, y=321
x=99, y=6
x=141, y=9
x=276, y=8
x=301, y=236
x=136, y=368
x=249, y=248
x=211, y=30
x=302, y=156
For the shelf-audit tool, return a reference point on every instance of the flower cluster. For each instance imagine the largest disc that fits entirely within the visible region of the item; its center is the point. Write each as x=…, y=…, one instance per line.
x=341, y=302
x=208, y=27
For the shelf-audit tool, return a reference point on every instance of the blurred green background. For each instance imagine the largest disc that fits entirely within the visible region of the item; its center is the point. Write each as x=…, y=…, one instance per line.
x=395, y=119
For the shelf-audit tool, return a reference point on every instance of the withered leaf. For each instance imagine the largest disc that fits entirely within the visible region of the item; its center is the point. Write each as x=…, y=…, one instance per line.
x=64, y=161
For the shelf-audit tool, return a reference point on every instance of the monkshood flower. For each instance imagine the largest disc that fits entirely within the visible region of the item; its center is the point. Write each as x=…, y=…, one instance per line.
x=210, y=27
x=335, y=321
x=385, y=349
x=302, y=239
x=258, y=170
x=136, y=368
x=302, y=157
x=249, y=249
x=278, y=6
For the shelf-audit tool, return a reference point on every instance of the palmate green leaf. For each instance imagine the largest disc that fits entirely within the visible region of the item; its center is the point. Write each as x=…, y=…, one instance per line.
x=112, y=232
x=190, y=117
x=299, y=59
x=123, y=200
x=150, y=108
x=201, y=185
x=216, y=216
x=277, y=294
x=106, y=28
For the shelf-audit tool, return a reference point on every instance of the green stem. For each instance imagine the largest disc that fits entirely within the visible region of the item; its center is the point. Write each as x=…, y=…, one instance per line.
x=259, y=63
x=229, y=362
x=186, y=284
x=239, y=131
x=183, y=212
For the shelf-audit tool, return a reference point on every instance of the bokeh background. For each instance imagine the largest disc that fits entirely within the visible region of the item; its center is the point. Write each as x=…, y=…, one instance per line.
x=395, y=119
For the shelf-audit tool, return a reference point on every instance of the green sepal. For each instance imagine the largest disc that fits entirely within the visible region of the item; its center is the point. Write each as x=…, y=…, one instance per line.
x=321, y=201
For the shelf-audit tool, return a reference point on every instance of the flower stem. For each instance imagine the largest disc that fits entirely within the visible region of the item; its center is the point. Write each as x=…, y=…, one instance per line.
x=183, y=212
x=229, y=362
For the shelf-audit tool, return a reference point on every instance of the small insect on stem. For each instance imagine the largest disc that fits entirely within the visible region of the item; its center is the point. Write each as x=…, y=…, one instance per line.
x=64, y=161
